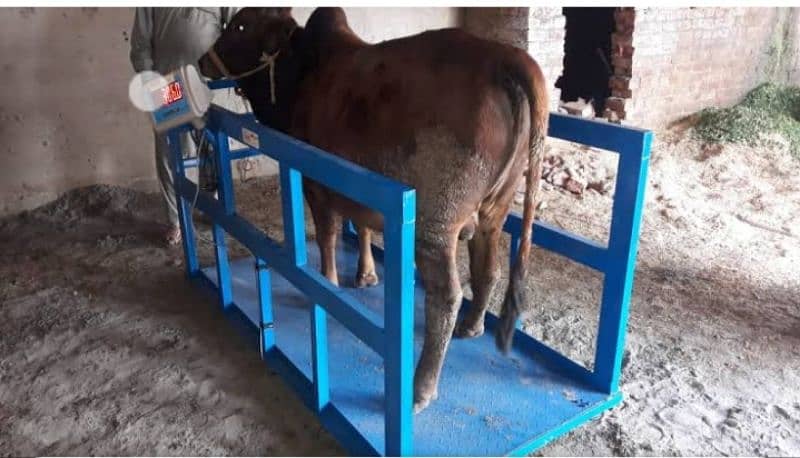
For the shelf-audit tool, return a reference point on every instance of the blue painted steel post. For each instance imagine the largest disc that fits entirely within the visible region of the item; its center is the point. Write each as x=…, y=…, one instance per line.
x=225, y=191
x=398, y=325
x=184, y=208
x=319, y=356
x=267, y=329
x=623, y=242
x=295, y=238
x=294, y=227
x=225, y=196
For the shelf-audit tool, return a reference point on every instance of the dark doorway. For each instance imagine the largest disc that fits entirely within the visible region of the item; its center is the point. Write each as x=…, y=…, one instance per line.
x=587, y=56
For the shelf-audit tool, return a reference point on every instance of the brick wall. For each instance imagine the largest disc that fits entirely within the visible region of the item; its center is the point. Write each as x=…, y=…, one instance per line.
x=506, y=25
x=539, y=30
x=622, y=63
x=686, y=59
x=668, y=62
x=546, y=45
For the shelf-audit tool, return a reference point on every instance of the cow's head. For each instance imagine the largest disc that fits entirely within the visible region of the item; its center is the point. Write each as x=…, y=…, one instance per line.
x=254, y=37
x=251, y=33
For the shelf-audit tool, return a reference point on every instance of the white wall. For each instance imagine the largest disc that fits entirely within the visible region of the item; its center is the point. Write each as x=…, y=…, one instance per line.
x=793, y=61
x=378, y=24
x=65, y=118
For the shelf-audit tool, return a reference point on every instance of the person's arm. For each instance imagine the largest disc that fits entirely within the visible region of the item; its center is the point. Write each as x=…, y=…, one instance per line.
x=142, y=40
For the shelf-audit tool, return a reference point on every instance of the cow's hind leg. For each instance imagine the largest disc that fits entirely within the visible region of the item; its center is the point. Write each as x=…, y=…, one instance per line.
x=437, y=265
x=366, y=275
x=484, y=273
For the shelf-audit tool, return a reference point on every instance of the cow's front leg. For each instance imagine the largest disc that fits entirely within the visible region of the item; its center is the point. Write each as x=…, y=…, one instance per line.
x=325, y=225
x=366, y=275
x=443, y=295
x=326, y=239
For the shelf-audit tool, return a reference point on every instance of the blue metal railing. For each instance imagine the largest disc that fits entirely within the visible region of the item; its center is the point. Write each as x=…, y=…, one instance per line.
x=617, y=260
x=391, y=336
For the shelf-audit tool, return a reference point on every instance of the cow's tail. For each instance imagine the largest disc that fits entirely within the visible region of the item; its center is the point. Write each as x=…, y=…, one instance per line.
x=527, y=76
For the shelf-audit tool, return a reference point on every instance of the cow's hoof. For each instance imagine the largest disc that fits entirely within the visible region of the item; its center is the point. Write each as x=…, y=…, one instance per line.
x=465, y=331
x=423, y=402
x=364, y=280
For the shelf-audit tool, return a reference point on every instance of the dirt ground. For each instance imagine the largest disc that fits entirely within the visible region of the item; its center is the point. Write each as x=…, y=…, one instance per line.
x=106, y=349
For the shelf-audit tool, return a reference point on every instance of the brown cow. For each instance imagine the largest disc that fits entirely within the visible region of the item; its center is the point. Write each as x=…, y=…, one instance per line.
x=454, y=116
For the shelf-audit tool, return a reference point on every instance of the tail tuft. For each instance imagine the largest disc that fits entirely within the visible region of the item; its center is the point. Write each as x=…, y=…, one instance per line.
x=529, y=78
x=509, y=314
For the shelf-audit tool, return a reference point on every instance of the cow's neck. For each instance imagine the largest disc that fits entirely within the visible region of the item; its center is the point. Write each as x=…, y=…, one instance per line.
x=275, y=115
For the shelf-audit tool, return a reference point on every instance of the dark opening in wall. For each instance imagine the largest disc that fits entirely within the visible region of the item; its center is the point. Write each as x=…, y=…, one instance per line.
x=587, y=56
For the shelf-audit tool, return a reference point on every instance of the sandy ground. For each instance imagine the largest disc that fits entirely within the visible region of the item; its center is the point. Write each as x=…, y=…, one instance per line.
x=106, y=349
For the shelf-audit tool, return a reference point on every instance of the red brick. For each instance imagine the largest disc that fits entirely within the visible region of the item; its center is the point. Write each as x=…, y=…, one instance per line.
x=627, y=51
x=615, y=103
x=624, y=27
x=619, y=83
x=622, y=65
x=621, y=39
x=625, y=16
x=622, y=93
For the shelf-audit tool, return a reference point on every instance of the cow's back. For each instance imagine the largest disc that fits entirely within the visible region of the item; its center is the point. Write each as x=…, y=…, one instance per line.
x=427, y=110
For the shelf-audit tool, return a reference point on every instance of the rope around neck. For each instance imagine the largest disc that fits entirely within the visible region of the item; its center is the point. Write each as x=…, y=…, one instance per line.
x=268, y=61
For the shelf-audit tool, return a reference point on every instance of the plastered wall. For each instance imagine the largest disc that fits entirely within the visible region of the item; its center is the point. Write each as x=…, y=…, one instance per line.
x=65, y=118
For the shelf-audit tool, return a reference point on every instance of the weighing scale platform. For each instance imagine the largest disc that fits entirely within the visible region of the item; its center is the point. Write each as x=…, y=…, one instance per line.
x=489, y=404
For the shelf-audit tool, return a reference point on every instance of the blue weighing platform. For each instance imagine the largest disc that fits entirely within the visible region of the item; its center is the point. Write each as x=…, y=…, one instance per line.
x=489, y=404
x=361, y=388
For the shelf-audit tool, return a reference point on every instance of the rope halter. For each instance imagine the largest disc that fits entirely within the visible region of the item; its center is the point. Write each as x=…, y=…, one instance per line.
x=267, y=61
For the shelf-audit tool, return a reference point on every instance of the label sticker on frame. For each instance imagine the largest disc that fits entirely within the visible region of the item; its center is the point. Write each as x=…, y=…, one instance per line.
x=250, y=137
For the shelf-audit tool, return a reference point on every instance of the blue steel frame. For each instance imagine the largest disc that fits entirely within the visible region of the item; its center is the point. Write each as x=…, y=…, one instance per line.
x=393, y=337
x=617, y=259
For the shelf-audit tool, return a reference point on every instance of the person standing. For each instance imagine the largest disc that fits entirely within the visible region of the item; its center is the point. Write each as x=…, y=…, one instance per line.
x=162, y=40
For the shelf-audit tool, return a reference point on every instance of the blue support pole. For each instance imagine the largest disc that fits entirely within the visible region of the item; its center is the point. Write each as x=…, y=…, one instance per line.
x=225, y=190
x=399, y=326
x=295, y=237
x=267, y=327
x=225, y=197
x=223, y=267
x=184, y=208
x=319, y=356
x=294, y=227
x=618, y=281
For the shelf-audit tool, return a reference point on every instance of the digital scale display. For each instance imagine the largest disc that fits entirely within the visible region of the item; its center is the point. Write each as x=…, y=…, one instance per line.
x=172, y=93
x=175, y=99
